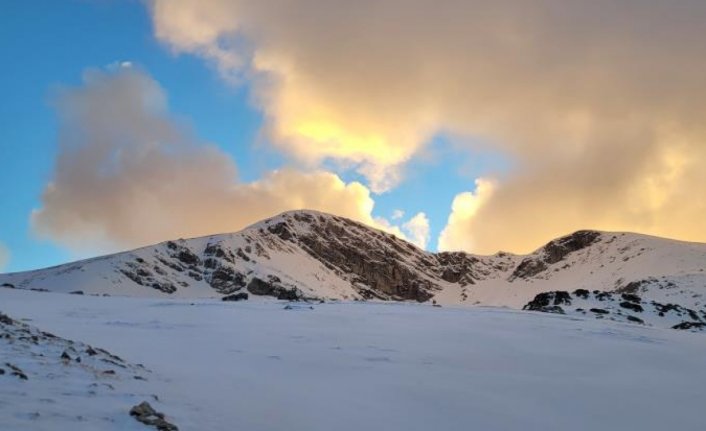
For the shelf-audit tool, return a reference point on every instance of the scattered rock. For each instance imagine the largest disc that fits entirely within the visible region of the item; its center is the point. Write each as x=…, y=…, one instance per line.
x=241, y=296
x=689, y=325
x=554, y=252
x=631, y=297
x=549, y=302
x=582, y=293
x=632, y=306
x=635, y=319
x=16, y=371
x=144, y=413
x=599, y=311
x=7, y=320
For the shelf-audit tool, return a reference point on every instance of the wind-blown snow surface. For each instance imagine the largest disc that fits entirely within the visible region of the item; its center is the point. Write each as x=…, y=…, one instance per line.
x=393, y=366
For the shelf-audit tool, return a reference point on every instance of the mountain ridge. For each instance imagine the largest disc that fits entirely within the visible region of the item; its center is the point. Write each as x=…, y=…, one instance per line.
x=310, y=254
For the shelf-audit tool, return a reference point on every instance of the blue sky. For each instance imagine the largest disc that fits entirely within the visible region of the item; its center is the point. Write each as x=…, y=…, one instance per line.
x=48, y=45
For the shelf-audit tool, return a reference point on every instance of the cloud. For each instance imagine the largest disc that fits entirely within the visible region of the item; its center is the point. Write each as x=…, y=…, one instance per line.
x=458, y=233
x=397, y=214
x=599, y=105
x=129, y=174
x=417, y=229
x=4, y=256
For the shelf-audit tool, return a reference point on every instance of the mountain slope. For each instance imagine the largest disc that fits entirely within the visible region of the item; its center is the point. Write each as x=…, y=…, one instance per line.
x=315, y=255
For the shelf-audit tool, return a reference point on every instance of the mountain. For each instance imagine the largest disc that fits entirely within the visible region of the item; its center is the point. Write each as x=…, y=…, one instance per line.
x=308, y=254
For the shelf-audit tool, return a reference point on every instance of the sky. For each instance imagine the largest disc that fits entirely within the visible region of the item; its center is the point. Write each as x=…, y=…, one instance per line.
x=458, y=126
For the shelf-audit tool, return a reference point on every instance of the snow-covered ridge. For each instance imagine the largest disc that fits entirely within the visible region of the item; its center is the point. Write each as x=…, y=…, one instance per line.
x=316, y=255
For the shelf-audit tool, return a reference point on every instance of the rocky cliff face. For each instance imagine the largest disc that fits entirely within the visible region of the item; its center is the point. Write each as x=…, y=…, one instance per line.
x=308, y=254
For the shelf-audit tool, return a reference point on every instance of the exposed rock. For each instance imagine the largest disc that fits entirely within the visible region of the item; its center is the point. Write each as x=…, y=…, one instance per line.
x=549, y=302
x=16, y=371
x=554, y=252
x=635, y=319
x=226, y=280
x=689, y=325
x=599, y=311
x=632, y=306
x=603, y=296
x=241, y=296
x=582, y=293
x=630, y=297
x=272, y=287
x=7, y=320
x=144, y=413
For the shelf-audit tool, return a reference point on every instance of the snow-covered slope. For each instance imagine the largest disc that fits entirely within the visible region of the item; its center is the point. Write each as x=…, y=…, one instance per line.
x=347, y=366
x=317, y=255
x=49, y=383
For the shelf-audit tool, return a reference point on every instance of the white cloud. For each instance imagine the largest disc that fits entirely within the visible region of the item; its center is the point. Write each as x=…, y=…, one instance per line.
x=128, y=174
x=459, y=231
x=417, y=229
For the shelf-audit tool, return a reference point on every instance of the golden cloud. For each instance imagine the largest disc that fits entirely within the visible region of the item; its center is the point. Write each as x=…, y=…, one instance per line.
x=600, y=105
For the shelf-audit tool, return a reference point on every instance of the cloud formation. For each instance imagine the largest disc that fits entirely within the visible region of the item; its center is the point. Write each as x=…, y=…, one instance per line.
x=4, y=256
x=417, y=229
x=129, y=174
x=600, y=105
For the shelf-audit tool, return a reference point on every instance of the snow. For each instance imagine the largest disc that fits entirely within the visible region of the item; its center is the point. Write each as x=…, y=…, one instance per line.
x=349, y=366
x=613, y=261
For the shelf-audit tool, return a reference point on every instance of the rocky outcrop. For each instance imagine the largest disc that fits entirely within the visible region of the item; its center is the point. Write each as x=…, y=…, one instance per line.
x=273, y=287
x=554, y=252
x=144, y=413
x=549, y=302
x=241, y=296
x=621, y=307
x=378, y=264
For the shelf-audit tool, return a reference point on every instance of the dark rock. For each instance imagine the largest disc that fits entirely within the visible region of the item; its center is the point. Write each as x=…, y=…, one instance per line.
x=241, y=296
x=554, y=252
x=582, y=293
x=689, y=325
x=604, y=296
x=90, y=351
x=631, y=297
x=631, y=306
x=289, y=294
x=5, y=319
x=195, y=275
x=281, y=230
x=548, y=302
x=188, y=257
x=599, y=311
x=76, y=292
x=635, y=319
x=632, y=287
x=16, y=371
x=8, y=285
x=147, y=415
x=65, y=356
x=226, y=280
